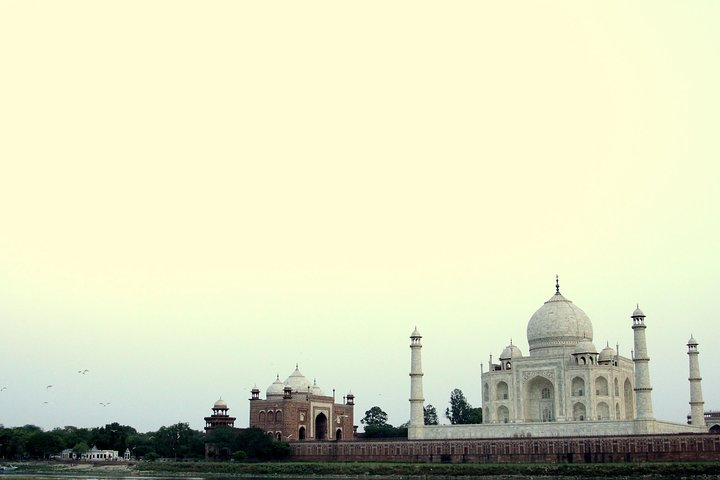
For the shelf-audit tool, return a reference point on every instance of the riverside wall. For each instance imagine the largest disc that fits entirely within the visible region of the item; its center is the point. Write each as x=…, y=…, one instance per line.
x=599, y=449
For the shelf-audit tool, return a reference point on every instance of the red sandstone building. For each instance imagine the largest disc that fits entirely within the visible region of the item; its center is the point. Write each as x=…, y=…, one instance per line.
x=219, y=418
x=296, y=410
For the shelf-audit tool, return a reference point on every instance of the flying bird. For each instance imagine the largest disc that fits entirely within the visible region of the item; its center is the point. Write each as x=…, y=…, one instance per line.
x=83, y=371
x=3, y=388
x=104, y=404
x=49, y=386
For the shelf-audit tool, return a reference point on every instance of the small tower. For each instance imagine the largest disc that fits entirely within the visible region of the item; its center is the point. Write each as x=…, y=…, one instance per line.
x=697, y=414
x=643, y=390
x=417, y=416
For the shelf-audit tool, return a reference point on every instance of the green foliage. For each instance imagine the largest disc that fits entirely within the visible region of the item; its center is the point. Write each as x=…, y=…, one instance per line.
x=259, y=446
x=239, y=456
x=375, y=416
x=460, y=411
x=475, y=415
x=385, y=431
x=112, y=436
x=430, y=414
x=151, y=456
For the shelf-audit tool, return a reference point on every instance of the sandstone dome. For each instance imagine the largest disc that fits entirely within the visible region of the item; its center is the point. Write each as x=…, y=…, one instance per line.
x=557, y=325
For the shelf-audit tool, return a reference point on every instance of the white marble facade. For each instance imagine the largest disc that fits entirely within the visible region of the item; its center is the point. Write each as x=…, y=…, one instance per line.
x=563, y=387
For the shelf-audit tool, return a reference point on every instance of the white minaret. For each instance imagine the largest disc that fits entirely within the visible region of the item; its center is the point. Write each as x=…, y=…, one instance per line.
x=417, y=415
x=643, y=390
x=697, y=406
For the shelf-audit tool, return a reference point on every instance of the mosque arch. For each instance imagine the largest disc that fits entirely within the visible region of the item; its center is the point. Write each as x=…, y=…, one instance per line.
x=715, y=428
x=617, y=388
x=601, y=386
x=503, y=414
x=486, y=392
x=539, y=400
x=321, y=424
x=579, y=412
x=278, y=416
x=261, y=417
x=338, y=434
x=278, y=436
x=578, y=387
x=271, y=417
x=628, y=396
x=603, y=411
x=301, y=433
x=617, y=411
x=501, y=391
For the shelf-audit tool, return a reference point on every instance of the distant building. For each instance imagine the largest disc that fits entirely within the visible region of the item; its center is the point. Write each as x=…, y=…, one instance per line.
x=219, y=418
x=712, y=420
x=96, y=455
x=296, y=410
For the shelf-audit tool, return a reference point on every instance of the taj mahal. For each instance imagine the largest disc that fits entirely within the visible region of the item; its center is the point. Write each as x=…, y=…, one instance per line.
x=563, y=387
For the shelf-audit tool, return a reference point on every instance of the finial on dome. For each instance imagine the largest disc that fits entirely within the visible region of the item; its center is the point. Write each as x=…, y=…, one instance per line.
x=557, y=284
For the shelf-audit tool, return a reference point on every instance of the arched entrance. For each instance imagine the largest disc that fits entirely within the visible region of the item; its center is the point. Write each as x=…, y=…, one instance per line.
x=539, y=400
x=338, y=434
x=628, y=396
x=301, y=433
x=321, y=427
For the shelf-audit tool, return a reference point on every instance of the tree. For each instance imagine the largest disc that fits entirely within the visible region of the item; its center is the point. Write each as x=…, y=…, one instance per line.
x=459, y=410
x=475, y=415
x=430, y=415
x=375, y=416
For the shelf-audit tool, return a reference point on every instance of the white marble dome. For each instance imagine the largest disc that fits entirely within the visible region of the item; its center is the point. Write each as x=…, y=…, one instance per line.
x=298, y=382
x=511, y=351
x=607, y=354
x=585, y=346
x=557, y=325
x=220, y=404
x=316, y=390
x=275, y=389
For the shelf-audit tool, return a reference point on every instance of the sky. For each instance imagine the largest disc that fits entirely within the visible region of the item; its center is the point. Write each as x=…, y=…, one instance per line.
x=197, y=196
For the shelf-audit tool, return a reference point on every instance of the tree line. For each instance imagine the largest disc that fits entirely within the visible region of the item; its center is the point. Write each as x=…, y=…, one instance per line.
x=459, y=412
x=177, y=441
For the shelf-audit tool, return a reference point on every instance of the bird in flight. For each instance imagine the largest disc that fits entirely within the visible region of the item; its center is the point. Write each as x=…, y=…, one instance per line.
x=104, y=404
x=49, y=386
x=3, y=388
x=45, y=403
x=83, y=371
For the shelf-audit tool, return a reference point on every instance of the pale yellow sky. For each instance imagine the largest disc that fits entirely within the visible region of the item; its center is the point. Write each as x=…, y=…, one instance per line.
x=194, y=196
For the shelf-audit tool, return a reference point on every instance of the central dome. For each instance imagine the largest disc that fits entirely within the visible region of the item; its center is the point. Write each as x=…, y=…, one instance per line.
x=556, y=325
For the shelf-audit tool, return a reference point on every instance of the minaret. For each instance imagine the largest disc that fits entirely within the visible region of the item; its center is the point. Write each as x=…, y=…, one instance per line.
x=643, y=390
x=697, y=406
x=417, y=416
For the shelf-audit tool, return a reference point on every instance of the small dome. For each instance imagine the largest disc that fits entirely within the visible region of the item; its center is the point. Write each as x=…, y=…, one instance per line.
x=276, y=388
x=511, y=351
x=298, y=382
x=415, y=334
x=607, y=354
x=315, y=390
x=638, y=312
x=585, y=346
x=220, y=404
x=692, y=341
